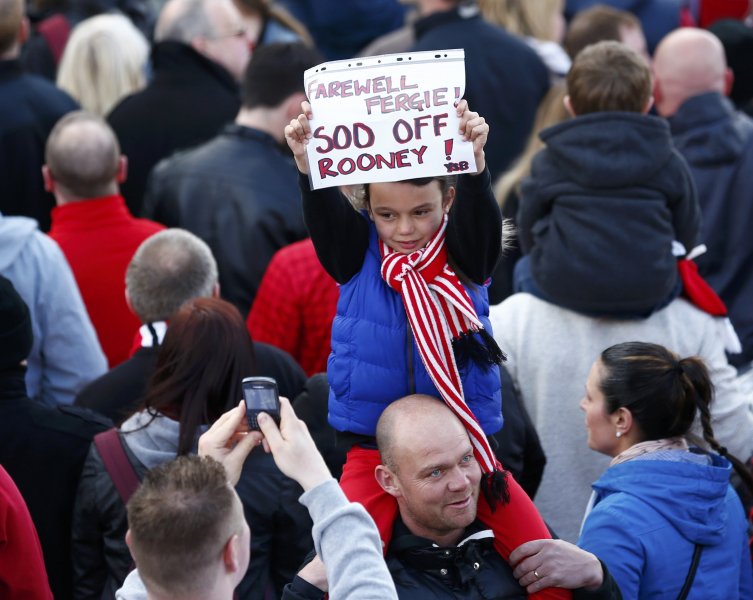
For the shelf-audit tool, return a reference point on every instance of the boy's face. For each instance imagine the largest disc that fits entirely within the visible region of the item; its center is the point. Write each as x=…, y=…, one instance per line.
x=407, y=216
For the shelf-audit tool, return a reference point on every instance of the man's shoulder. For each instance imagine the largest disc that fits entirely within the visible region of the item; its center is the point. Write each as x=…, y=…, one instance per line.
x=278, y=364
x=222, y=154
x=22, y=234
x=116, y=393
x=63, y=426
x=39, y=93
x=478, y=33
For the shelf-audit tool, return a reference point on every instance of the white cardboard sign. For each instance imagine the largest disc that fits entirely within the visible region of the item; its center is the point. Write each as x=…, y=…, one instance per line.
x=387, y=118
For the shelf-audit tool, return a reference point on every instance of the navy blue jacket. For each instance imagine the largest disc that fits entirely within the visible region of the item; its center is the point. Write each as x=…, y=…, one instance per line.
x=717, y=142
x=598, y=214
x=504, y=78
x=29, y=108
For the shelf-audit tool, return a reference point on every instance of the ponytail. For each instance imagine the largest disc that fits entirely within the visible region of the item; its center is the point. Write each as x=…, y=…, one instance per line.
x=698, y=388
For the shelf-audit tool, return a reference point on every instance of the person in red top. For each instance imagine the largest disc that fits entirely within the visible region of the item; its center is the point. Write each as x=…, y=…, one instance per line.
x=92, y=224
x=22, y=572
x=295, y=306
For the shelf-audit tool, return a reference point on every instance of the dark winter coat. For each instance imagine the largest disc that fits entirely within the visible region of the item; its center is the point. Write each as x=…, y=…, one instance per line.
x=29, y=108
x=717, y=142
x=187, y=102
x=598, y=214
x=43, y=449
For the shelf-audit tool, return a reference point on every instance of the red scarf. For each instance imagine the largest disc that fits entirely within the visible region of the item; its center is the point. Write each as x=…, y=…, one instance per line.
x=439, y=310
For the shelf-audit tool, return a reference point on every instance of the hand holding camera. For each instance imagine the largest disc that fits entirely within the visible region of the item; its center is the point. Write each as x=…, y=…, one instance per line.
x=255, y=420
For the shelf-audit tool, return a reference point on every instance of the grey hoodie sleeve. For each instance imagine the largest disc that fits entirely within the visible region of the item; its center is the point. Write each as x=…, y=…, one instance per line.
x=69, y=352
x=347, y=540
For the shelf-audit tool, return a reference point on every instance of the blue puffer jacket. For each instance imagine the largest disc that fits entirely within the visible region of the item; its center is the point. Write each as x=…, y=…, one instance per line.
x=648, y=516
x=375, y=360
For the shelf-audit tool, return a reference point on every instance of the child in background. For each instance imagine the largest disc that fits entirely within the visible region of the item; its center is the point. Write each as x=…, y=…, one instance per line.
x=416, y=261
x=607, y=196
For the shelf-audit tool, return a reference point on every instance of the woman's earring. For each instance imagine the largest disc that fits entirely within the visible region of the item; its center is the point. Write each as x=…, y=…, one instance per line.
x=618, y=434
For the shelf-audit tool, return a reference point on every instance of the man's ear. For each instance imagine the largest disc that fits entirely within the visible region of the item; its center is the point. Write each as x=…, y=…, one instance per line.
x=216, y=290
x=231, y=554
x=568, y=105
x=293, y=105
x=24, y=31
x=649, y=104
x=387, y=481
x=49, y=180
x=729, y=79
x=128, y=301
x=199, y=44
x=122, y=173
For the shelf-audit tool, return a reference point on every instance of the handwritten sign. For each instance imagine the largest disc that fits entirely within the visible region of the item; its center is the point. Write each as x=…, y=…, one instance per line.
x=387, y=118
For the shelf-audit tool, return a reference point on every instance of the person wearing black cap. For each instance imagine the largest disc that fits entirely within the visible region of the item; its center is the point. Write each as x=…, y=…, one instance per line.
x=42, y=449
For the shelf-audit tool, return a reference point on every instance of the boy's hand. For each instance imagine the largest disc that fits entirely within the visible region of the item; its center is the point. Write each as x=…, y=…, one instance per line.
x=293, y=448
x=297, y=135
x=474, y=128
x=229, y=442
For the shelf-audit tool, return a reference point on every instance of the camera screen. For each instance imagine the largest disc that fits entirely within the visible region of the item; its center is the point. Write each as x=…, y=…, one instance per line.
x=260, y=398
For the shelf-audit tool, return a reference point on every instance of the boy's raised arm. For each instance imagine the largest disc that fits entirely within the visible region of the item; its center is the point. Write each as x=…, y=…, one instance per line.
x=340, y=235
x=474, y=230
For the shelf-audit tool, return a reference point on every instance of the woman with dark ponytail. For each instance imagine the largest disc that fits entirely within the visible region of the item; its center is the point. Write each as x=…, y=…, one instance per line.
x=663, y=504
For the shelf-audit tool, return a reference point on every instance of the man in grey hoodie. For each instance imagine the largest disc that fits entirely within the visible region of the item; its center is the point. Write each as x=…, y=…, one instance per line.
x=66, y=354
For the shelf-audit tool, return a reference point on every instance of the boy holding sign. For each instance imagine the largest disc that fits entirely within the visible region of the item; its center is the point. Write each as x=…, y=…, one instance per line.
x=413, y=318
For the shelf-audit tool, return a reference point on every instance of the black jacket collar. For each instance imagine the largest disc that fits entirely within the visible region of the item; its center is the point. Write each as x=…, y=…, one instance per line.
x=175, y=61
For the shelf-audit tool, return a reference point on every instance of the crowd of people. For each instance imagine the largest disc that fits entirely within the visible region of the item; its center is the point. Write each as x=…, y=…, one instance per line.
x=534, y=380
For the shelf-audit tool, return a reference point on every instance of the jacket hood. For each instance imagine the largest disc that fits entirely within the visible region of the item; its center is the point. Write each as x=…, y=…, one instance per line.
x=587, y=149
x=709, y=132
x=15, y=232
x=153, y=439
x=689, y=495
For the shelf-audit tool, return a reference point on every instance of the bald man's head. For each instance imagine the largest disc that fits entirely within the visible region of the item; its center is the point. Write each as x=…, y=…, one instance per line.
x=404, y=422
x=83, y=158
x=688, y=62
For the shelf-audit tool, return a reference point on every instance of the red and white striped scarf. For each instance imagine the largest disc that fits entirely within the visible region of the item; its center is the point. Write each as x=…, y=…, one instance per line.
x=439, y=310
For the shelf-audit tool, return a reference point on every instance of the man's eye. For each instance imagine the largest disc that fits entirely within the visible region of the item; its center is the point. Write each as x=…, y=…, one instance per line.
x=468, y=458
x=421, y=213
x=385, y=216
x=435, y=473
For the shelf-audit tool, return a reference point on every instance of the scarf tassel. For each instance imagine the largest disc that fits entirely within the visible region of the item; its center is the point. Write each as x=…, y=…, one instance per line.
x=495, y=489
x=484, y=351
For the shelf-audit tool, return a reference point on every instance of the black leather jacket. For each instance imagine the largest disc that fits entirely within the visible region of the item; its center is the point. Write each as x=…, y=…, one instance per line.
x=239, y=193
